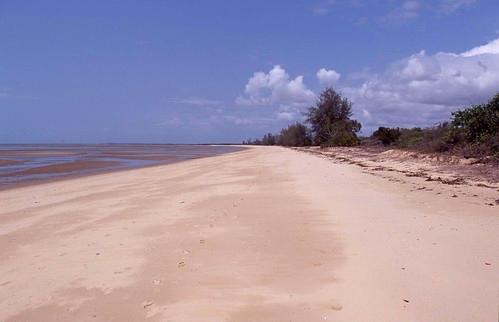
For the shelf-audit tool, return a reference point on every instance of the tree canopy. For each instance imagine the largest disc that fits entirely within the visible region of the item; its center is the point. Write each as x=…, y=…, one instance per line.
x=330, y=120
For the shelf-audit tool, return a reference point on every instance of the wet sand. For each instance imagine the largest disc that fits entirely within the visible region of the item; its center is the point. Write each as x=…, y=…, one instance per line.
x=22, y=165
x=67, y=167
x=266, y=234
x=8, y=162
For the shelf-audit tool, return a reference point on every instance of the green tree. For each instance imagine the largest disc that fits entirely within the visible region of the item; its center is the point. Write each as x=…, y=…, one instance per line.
x=330, y=120
x=269, y=139
x=295, y=135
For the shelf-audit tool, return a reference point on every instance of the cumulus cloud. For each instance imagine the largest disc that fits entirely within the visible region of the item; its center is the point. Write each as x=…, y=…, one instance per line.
x=328, y=77
x=423, y=89
x=490, y=48
x=419, y=90
x=275, y=87
x=289, y=113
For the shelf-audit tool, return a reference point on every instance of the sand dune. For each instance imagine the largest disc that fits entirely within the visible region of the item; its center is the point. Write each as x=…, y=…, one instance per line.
x=265, y=234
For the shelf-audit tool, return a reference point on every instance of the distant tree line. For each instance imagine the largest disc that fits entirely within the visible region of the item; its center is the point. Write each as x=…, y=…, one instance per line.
x=329, y=121
x=472, y=131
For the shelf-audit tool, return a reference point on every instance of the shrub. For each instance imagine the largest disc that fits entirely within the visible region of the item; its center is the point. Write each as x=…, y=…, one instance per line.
x=342, y=133
x=295, y=135
x=479, y=123
x=387, y=135
x=410, y=138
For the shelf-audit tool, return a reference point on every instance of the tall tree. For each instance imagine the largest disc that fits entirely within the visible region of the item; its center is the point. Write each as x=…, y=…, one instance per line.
x=330, y=120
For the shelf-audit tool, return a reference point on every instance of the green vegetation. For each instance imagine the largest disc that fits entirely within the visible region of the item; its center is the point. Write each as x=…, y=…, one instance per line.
x=471, y=132
x=330, y=125
x=387, y=135
x=330, y=120
x=295, y=135
x=479, y=124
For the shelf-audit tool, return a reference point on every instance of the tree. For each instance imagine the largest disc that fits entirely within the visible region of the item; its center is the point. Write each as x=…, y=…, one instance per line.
x=295, y=135
x=330, y=120
x=269, y=139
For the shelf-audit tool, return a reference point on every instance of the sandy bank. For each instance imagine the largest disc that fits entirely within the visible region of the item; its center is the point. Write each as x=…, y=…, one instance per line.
x=266, y=234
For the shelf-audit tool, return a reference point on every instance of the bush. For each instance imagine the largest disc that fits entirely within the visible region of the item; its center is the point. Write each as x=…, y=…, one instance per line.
x=480, y=123
x=295, y=135
x=330, y=120
x=410, y=138
x=439, y=138
x=341, y=133
x=387, y=135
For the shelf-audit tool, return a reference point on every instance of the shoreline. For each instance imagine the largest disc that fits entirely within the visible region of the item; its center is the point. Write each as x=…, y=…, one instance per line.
x=265, y=234
x=83, y=171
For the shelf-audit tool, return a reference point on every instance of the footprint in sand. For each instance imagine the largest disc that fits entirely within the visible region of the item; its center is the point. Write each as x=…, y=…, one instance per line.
x=146, y=304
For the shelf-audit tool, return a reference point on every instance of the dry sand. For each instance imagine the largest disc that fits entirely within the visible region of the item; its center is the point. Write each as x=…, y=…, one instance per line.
x=266, y=234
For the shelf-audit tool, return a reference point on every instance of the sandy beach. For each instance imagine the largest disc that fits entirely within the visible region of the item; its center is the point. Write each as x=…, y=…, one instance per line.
x=265, y=234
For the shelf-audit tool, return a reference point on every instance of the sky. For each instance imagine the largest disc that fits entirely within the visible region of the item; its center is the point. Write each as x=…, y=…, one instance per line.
x=224, y=71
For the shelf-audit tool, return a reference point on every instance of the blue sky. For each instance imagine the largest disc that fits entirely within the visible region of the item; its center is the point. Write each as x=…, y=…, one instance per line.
x=223, y=71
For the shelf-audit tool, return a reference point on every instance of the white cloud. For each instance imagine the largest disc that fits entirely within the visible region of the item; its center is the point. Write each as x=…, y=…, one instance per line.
x=320, y=11
x=449, y=6
x=275, y=87
x=287, y=116
x=490, y=48
x=172, y=121
x=407, y=10
x=197, y=101
x=328, y=77
x=422, y=89
x=324, y=8
x=289, y=113
x=8, y=95
x=419, y=90
x=238, y=120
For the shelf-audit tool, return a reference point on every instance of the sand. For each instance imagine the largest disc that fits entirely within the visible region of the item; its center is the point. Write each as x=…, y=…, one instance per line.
x=266, y=234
